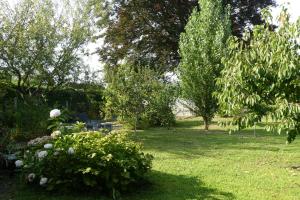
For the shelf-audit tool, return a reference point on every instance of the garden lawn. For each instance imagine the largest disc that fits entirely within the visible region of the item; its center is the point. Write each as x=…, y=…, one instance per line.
x=194, y=164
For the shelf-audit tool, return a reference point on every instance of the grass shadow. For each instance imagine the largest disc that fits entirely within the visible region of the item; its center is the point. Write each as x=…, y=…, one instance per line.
x=178, y=187
x=192, y=123
x=161, y=186
x=187, y=140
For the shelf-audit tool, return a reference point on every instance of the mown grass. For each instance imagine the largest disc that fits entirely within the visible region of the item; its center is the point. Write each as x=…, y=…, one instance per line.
x=192, y=164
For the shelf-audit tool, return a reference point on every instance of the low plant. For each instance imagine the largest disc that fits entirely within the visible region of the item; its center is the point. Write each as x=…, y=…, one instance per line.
x=85, y=160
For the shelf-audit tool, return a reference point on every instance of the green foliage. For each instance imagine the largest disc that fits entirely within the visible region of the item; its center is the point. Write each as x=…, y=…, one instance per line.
x=261, y=78
x=39, y=47
x=138, y=33
x=78, y=127
x=148, y=32
x=78, y=98
x=158, y=111
x=136, y=94
x=201, y=48
x=87, y=160
x=27, y=115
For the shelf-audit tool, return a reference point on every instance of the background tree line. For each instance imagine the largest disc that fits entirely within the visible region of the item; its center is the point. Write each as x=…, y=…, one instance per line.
x=41, y=49
x=190, y=38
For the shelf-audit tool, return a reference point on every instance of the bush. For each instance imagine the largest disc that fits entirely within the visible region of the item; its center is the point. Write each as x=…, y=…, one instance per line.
x=159, y=111
x=86, y=160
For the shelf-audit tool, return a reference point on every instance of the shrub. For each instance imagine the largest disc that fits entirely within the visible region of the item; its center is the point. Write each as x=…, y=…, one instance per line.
x=159, y=110
x=86, y=160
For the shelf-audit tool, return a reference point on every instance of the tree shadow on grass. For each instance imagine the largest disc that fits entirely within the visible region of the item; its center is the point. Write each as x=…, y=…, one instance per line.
x=196, y=142
x=178, y=187
x=191, y=123
x=160, y=186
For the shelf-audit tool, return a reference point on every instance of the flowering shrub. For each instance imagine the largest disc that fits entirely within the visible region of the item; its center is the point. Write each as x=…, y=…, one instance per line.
x=85, y=160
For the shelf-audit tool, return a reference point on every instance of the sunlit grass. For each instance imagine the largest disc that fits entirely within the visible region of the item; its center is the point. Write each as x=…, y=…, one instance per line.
x=191, y=164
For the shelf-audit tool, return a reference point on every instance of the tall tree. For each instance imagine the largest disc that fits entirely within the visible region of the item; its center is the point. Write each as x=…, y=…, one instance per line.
x=201, y=49
x=40, y=45
x=261, y=78
x=148, y=32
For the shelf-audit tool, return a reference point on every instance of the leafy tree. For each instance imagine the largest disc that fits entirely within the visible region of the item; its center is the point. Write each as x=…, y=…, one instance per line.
x=148, y=32
x=127, y=93
x=40, y=46
x=201, y=49
x=136, y=95
x=261, y=78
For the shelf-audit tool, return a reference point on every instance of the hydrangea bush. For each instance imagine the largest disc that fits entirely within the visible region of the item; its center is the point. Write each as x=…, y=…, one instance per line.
x=85, y=160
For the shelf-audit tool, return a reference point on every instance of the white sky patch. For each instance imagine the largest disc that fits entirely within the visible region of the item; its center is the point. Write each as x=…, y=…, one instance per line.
x=293, y=7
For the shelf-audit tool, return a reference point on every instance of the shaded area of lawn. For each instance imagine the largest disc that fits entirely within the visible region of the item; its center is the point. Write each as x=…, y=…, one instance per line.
x=192, y=164
x=178, y=187
x=161, y=186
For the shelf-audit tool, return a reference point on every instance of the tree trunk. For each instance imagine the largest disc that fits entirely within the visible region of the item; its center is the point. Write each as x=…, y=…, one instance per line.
x=135, y=123
x=206, y=123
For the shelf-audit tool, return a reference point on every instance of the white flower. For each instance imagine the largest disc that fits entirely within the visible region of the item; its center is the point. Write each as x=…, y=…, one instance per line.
x=109, y=157
x=145, y=103
x=19, y=163
x=55, y=134
x=42, y=154
x=71, y=151
x=43, y=181
x=48, y=146
x=55, y=113
x=56, y=153
x=31, y=177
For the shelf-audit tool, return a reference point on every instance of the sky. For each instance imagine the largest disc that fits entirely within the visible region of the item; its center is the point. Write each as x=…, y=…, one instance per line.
x=293, y=8
x=93, y=59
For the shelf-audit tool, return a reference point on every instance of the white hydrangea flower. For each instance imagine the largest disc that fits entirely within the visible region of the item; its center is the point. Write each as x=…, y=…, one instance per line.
x=42, y=154
x=19, y=163
x=48, y=146
x=55, y=134
x=56, y=153
x=43, y=181
x=55, y=113
x=71, y=151
x=31, y=177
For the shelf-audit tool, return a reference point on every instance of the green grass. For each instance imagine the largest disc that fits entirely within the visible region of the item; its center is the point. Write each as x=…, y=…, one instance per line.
x=193, y=164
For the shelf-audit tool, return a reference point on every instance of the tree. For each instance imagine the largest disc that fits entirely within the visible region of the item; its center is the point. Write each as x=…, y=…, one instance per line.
x=137, y=95
x=201, y=49
x=261, y=78
x=148, y=32
x=159, y=110
x=127, y=93
x=39, y=46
